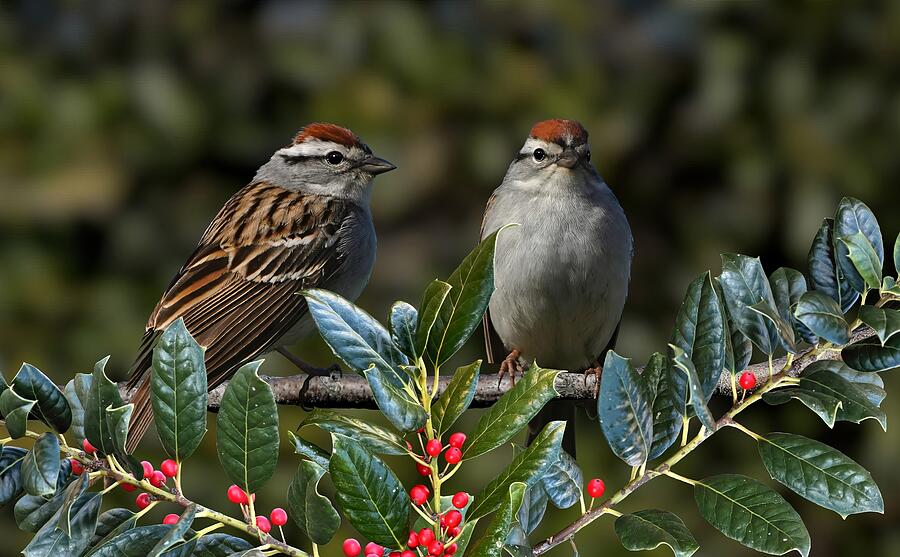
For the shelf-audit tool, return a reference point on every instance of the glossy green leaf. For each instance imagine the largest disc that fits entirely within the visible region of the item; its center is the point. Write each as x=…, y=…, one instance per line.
x=625, y=410
x=897, y=254
x=461, y=313
x=109, y=522
x=404, y=322
x=700, y=331
x=178, y=391
x=820, y=473
x=854, y=407
x=375, y=438
x=752, y=514
x=355, y=336
x=397, y=405
x=456, y=398
x=534, y=505
x=824, y=273
x=135, y=542
x=15, y=410
x=646, y=530
x=744, y=283
x=684, y=364
x=118, y=419
x=491, y=544
x=50, y=541
x=528, y=467
x=220, y=545
x=310, y=510
x=40, y=467
x=369, y=493
x=10, y=473
x=869, y=384
x=741, y=351
x=864, y=259
x=103, y=394
x=67, y=512
x=310, y=450
x=890, y=288
x=512, y=411
x=247, y=429
x=854, y=217
x=823, y=316
x=782, y=328
x=71, y=394
x=52, y=408
x=667, y=420
x=823, y=404
x=872, y=356
x=175, y=534
x=433, y=300
x=562, y=481
x=788, y=285
x=885, y=322
x=32, y=512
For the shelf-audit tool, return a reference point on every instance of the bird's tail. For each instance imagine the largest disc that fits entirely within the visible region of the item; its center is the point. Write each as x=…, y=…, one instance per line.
x=556, y=410
x=141, y=417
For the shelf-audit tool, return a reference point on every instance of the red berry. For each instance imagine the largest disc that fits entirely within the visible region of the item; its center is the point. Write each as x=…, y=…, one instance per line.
x=453, y=455
x=88, y=448
x=452, y=518
x=457, y=440
x=142, y=501
x=460, y=500
x=148, y=469
x=395, y=554
x=77, y=467
x=747, y=381
x=278, y=516
x=453, y=532
x=157, y=479
x=169, y=467
x=373, y=555
x=413, y=540
x=450, y=549
x=351, y=547
x=426, y=536
x=434, y=447
x=596, y=488
x=423, y=470
x=408, y=553
x=236, y=495
x=263, y=524
x=419, y=494
x=128, y=487
x=170, y=519
x=373, y=547
x=435, y=548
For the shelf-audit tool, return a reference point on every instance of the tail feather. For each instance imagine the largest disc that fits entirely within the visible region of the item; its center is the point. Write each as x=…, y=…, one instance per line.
x=141, y=417
x=556, y=410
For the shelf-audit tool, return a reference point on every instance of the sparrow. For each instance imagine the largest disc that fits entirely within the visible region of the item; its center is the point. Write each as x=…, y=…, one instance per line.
x=561, y=277
x=303, y=222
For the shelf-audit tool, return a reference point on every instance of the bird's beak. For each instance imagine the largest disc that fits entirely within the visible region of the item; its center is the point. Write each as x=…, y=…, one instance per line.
x=568, y=159
x=374, y=165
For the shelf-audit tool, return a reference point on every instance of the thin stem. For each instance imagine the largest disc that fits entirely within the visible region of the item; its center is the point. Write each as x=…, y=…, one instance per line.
x=743, y=429
x=315, y=550
x=771, y=369
x=734, y=395
x=422, y=513
x=679, y=477
x=685, y=428
x=613, y=512
x=208, y=529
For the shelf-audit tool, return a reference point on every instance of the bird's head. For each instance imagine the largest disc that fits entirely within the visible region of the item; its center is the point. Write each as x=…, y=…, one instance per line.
x=326, y=159
x=554, y=149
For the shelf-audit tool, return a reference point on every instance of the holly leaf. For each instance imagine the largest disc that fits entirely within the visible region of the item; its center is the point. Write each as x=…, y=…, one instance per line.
x=456, y=398
x=684, y=364
x=10, y=473
x=40, y=468
x=310, y=510
x=178, y=391
x=15, y=410
x=405, y=413
x=700, y=332
x=432, y=301
x=494, y=539
x=824, y=317
x=625, y=410
x=788, y=285
x=247, y=429
x=310, y=450
x=375, y=438
x=220, y=545
x=854, y=217
x=667, y=420
x=649, y=529
x=885, y=322
x=52, y=408
x=103, y=394
x=824, y=272
x=404, y=322
x=562, y=482
x=744, y=284
x=864, y=259
x=872, y=356
x=752, y=514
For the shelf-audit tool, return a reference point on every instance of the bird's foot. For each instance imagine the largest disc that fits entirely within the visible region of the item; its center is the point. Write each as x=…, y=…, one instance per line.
x=511, y=366
x=308, y=368
x=595, y=370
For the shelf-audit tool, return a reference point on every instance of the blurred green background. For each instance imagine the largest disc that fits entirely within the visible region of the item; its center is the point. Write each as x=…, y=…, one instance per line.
x=721, y=127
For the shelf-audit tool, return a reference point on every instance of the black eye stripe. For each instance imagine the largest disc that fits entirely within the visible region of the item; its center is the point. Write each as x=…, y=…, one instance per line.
x=294, y=159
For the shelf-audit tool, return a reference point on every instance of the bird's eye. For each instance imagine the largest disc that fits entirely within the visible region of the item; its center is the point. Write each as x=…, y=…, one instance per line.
x=587, y=155
x=539, y=155
x=334, y=157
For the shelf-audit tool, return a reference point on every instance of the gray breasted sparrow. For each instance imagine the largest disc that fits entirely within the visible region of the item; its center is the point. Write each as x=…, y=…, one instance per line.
x=303, y=222
x=562, y=276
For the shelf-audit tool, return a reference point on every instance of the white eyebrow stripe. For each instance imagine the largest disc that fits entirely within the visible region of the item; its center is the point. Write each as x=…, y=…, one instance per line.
x=312, y=148
x=533, y=143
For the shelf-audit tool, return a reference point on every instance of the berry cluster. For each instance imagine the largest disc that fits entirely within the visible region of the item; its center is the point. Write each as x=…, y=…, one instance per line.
x=278, y=516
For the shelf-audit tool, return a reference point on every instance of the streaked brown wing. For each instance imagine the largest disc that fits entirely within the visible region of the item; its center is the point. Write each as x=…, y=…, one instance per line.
x=238, y=292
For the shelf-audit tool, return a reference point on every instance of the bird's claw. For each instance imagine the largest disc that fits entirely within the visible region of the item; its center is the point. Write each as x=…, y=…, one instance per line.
x=510, y=365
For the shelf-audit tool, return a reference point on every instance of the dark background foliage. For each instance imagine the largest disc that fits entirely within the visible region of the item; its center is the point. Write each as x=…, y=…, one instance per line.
x=721, y=126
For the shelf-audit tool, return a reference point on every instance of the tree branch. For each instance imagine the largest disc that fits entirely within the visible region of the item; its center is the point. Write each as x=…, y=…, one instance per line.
x=350, y=390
